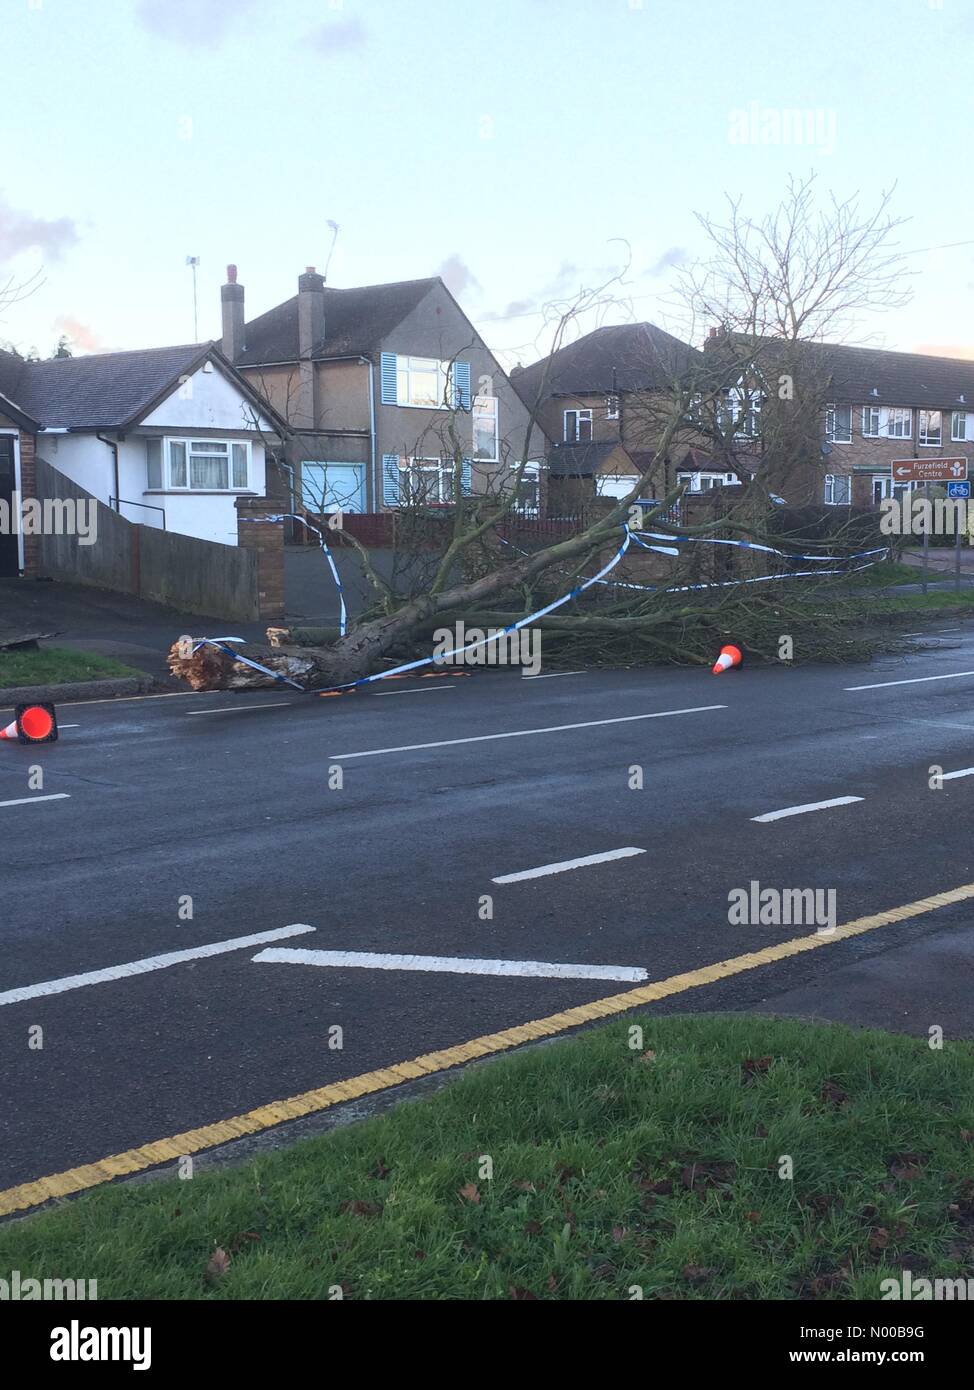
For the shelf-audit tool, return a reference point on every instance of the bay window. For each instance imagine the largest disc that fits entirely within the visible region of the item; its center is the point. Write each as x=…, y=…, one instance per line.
x=197, y=465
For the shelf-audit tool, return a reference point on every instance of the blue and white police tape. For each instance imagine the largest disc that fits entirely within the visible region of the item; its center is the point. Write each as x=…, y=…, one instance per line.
x=220, y=642
x=293, y=516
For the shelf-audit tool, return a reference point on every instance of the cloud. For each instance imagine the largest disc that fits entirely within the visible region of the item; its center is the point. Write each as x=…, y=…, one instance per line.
x=204, y=22
x=675, y=256
x=457, y=275
x=81, y=335
x=342, y=36
x=21, y=231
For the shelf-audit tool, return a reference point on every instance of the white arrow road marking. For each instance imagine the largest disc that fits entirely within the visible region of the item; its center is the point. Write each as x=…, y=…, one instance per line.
x=964, y=772
x=525, y=733
x=452, y=965
x=142, y=967
x=810, y=806
x=567, y=864
x=29, y=800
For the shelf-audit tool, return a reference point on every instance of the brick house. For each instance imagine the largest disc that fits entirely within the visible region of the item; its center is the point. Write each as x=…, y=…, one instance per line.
x=602, y=400
x=366, y=378
x=875, y=406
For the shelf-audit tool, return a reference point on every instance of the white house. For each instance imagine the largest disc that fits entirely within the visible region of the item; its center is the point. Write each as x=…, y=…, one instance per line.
x=166, y=436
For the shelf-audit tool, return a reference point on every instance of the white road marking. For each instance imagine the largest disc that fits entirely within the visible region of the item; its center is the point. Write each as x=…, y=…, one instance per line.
x=811, y=806
x=553, y=675
x=452, y=965
x=69, y=726
x=240, y=709
x=29, y=800
x=963, y=772
x=914, y=680
x=567, y=864
x=417, y=689
x=127, y=699
x=142, y=967
x=523, y=733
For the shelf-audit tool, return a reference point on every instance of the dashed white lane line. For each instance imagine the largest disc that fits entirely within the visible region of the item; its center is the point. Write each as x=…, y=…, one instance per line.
x=914, y=680
x=29, y=800
x=417, y=689
x=452, y=965
x=142, y=967
x=553, y=675
x=565, y=864
x=811, y=806
x=962, y=772
x=524, y=733
x=240, y=709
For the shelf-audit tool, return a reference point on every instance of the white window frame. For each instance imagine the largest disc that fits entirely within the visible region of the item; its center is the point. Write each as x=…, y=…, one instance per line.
x=408, y=366
x=443, y=468
x=741, y=411
x=868, y=411
x=532, y=472
x=612, y=407
x=923, y=430
x=216, y=447
x=830, y=422
x=830, y=481
x=479, y=403
x=956, y=438
x=899, y=415
x=580, y=415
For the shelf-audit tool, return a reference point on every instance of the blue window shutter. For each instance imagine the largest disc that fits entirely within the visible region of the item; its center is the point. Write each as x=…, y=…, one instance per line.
x=466, y=478
x=461, y=384
x=390, y=480
x=387, y=375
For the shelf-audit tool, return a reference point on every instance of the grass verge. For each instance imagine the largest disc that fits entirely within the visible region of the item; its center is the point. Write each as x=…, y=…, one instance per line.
x=657, y=1166
x=56, y=666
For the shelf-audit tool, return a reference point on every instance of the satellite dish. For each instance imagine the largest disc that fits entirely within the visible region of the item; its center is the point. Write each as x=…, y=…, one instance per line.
x=826, y=450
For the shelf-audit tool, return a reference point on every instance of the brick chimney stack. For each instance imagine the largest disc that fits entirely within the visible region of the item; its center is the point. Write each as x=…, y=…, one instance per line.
x=232, y=306
x=311, y=331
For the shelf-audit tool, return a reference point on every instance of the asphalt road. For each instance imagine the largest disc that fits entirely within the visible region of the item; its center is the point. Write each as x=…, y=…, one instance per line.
x=228, y=800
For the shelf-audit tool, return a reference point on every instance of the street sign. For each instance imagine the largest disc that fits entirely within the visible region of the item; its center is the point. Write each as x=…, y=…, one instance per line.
x=928, y=470
x=958, y=489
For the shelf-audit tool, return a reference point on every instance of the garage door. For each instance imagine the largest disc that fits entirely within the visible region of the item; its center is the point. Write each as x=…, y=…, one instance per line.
x=327, y=486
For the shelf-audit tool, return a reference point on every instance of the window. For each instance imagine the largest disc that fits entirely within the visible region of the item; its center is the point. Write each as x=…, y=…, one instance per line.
x=930, y=428
x=528, y=500
x=960, y=426
x=838, y=490
x=201, y=465
x=421, y=381
x=612, y=407
x=872, y=422
x=485, y=440
x=838, y=424
x=578, y=426
x=427, y=482
x=616, y=485
x=900, y=424
x=741, y=412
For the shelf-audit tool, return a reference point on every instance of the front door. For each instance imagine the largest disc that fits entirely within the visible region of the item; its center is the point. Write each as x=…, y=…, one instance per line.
x=9, y=556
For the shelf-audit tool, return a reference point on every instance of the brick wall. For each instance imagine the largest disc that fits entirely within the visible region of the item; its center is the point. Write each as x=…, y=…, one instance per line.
x=267, y=539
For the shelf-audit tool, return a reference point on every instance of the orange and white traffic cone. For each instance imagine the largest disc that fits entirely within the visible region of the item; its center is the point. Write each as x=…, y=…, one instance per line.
x=729, y=656
x=32, y=724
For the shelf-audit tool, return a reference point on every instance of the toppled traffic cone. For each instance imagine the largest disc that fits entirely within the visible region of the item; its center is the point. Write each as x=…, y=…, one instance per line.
x=32, y=724
x=729, y=656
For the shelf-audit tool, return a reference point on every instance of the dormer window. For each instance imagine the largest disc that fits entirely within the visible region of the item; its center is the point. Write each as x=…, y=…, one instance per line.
x=578, y=426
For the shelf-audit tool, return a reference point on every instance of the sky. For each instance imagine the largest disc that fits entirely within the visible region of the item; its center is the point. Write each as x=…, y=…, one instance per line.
x=522, y=149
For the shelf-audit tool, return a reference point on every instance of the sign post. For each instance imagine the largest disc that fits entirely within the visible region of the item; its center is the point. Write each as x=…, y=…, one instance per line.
x=927, y=471
x=961, y=491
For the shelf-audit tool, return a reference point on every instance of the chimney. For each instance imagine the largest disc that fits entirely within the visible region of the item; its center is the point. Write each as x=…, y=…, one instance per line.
x=311, y=311
x=232, y=305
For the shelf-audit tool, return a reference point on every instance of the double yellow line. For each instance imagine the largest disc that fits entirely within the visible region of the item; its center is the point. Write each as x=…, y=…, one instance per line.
x=30, y=1194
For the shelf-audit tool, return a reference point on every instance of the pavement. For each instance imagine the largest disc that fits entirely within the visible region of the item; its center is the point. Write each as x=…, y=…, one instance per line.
x=378, y=846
